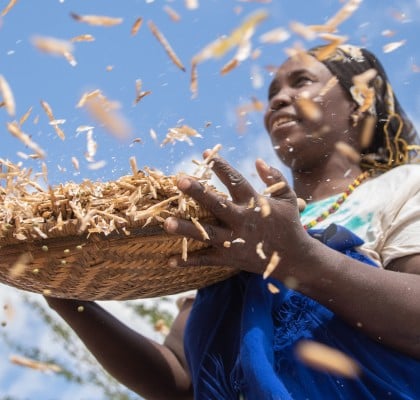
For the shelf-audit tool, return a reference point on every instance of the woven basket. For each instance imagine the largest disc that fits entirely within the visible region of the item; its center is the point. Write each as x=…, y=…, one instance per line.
x=128, y=261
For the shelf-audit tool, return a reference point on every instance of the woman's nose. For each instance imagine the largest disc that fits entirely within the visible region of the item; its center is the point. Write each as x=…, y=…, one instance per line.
x=280, y=100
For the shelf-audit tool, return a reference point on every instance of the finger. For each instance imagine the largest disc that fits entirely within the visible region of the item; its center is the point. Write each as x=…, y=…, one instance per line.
x=218, y=205
x=202, y=232
x=301, y=204
x=273, y=178
x=239, y=188
x=201, y=258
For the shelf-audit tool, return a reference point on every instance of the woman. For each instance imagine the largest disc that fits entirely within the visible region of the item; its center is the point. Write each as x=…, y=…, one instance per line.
x=358, y=294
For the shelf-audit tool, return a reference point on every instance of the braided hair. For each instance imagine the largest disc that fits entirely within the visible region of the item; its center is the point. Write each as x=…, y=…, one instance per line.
x=394, y=139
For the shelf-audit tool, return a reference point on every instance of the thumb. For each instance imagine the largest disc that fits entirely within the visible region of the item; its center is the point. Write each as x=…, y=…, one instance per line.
x=273, y=178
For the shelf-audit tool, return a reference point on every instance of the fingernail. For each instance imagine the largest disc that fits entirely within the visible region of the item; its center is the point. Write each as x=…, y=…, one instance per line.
x=171, y=224
x=206, y=153
x=172, y=263
x=184, y=183
x=263, y=163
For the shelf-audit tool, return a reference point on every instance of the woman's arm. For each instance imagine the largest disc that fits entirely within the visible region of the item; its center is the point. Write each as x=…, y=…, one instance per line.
x=384, y=304
x=148, y=368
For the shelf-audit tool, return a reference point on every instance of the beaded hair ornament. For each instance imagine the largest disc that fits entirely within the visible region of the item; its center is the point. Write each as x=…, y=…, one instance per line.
x=392, y=138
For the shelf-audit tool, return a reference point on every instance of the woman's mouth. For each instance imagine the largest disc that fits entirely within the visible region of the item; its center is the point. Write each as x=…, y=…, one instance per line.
x=283, y=123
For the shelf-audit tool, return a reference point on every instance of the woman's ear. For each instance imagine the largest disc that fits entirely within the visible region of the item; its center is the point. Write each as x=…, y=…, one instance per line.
x=355, y=115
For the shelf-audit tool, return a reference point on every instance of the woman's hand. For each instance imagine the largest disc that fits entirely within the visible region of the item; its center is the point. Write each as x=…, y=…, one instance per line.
x=251, y=226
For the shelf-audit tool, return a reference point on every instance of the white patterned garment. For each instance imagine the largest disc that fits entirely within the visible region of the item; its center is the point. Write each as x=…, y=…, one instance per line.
x=384, y=212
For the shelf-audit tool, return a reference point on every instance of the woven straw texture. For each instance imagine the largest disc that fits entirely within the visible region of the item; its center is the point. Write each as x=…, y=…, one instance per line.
x=77, y=250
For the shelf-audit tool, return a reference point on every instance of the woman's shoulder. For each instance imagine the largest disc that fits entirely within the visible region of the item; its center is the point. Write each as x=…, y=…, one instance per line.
x=388, y=192
x=405, y=169
x=407, y=176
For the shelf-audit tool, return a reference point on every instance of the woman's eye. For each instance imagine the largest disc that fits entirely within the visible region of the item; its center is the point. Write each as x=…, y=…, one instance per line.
x=302, y=81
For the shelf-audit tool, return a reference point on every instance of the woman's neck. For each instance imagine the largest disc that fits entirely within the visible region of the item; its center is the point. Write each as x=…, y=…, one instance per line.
x=331, y=177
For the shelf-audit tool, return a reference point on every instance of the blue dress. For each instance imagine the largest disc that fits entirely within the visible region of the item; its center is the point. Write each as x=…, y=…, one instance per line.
x=240, y=343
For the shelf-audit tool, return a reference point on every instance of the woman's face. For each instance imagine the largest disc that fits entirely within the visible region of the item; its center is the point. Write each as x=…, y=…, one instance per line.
x=304, y=123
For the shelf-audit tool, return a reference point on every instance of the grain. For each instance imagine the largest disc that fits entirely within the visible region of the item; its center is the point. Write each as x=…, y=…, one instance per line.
x=153, y=134
x=326, y=359
x=103, y=207
x=33, y=364
x=272, y=264
x=344, y=13
x=87, y=96
x=139, y=93
x=307, y=32
x=91, y=146
x=328, y=86
x=367, y=131
x=200, y=228
x=273, y=288
x=53, y=122
x=25, y=116
x=194, y=80
x=54, y=46
x=229, y=66
x=276, y=187
x=15, y=130
x=309, y=108
x=182, y=134
x=75, y=163
x=166, y=46
x=191, y=4
x=133, y=165
x=260, y=251
x=97, y=165
x=334, y=41
x=9, y=6
x=97, y=20
x=277, y=35
x=83, y=38
x=348, y=151
x=173, y=15
x=46, y=107
x=184, y=253
x=106, y=113
x=239, y=37
x=136, y=26
x=390, y=47
x=265, y=207
x=20, y=265
x=8, y=98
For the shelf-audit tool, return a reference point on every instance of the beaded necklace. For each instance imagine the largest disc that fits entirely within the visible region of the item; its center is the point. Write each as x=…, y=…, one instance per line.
x=336, y=205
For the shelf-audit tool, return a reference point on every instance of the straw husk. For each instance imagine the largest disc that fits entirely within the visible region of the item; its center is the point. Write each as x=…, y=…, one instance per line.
x=98, y=241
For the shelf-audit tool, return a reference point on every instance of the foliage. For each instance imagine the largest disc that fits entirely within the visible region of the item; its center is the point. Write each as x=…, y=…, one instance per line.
x=77, y=365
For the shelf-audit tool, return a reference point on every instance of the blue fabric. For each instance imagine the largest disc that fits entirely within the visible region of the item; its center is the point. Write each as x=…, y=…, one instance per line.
x=240, y=341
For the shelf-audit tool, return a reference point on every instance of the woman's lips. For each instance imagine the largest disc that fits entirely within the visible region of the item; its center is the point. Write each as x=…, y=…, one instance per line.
x=283, y=123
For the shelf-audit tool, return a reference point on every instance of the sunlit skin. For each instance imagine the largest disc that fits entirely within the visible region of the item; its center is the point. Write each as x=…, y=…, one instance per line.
x=308, y=146
x=323, y=274
x=384, y=304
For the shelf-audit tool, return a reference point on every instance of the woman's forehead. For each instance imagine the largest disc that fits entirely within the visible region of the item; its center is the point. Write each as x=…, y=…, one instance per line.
x=302, y=61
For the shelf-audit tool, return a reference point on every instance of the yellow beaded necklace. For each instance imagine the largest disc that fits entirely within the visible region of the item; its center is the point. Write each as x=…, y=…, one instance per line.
x=336, y=205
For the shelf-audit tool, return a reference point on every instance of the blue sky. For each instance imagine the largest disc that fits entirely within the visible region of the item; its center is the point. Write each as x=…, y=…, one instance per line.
x=35, y=76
